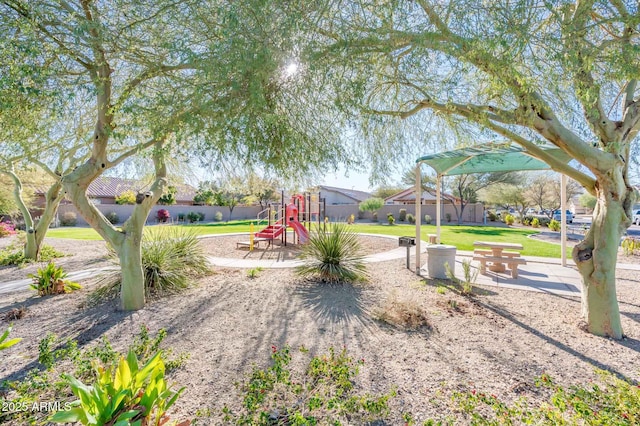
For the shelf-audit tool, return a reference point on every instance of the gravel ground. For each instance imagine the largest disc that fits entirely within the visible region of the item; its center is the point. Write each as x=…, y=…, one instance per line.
x=498, y=341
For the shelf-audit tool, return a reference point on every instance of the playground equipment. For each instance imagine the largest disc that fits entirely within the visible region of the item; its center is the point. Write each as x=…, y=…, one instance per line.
x=298, y=214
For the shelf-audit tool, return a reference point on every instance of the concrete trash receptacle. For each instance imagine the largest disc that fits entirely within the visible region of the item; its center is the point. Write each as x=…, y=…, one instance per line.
x=437, y=256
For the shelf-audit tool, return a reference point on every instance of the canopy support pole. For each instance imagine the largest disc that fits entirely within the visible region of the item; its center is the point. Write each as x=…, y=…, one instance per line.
x=438, y=206
x=563, y=216
x=418, y=191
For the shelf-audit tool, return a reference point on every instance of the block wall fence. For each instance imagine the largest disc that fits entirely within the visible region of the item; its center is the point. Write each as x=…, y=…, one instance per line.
x=473, y=213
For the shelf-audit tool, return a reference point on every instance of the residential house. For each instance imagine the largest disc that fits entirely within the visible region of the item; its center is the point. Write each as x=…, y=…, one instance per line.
x=408, y=196
x=340, y=196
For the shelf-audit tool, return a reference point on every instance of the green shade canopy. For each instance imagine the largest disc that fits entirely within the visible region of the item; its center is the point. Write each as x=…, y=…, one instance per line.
x=489, y=157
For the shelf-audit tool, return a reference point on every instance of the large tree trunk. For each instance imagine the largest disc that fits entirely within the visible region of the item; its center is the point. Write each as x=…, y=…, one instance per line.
x=132, y=292
x=596, y=258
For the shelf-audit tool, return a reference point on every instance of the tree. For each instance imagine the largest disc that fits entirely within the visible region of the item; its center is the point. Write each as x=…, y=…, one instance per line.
x=385, y=191
x=464, y=188
x=588, y=201
x=562, y=73
x=260, y=190
x=233, y=192
x=371, y=205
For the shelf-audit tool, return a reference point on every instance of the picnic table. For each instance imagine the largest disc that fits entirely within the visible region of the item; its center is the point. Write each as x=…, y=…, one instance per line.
x=497, y=257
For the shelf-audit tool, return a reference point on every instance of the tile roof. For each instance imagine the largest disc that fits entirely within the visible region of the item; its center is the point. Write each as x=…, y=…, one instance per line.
x=408, y=195
x=351, y=193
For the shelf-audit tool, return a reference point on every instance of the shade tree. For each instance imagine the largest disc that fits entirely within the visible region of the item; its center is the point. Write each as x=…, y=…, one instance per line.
x=560, y=73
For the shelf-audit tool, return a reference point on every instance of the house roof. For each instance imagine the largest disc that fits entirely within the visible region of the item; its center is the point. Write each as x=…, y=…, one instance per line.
x=108, y=187
x=406, y=195
x=105, y=186
x=358, y=196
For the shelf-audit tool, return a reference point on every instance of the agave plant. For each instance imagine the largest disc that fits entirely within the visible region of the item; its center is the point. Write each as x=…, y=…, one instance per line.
x=333, y=255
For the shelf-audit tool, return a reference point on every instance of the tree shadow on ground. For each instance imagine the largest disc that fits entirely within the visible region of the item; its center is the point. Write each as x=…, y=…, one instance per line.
x=632, y=344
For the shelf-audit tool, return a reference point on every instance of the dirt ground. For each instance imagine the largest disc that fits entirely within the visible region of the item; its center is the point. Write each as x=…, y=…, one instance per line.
x=499, y=341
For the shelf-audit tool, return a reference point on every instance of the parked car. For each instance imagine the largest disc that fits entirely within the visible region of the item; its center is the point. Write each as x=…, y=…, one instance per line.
x=556, y=216
x=636, y=217
x=530, y=212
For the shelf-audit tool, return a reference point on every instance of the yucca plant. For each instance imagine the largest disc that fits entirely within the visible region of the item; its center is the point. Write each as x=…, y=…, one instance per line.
x=170, y=257
x=51, y=280
x=333, y=255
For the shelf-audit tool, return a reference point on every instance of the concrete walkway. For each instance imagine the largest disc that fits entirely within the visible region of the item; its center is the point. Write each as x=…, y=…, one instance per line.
x=541, y=274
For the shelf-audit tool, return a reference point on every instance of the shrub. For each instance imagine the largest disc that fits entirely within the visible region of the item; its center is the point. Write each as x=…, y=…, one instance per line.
x=126, y=394
x=554, y=225
x=181, y=217
x=127, y=197
x=12, y=255
x=7, y=229
x=427, y=219
x=374, y=216
x=195, y=217
x=411, y=218
x=470, y=277
x=51, y=280
x=448, y=217
x=630, y=246
x=607, y=401
x=492, y=216
x=163, y=215
x=325, y=394
x=69, y=219
x=526, y=221
x=217, y=216
x=509, y=219
x=351, y=219
x=60, y=359
x=405, y=314
x=112, y=217
x=4, y=343
x=333, y=255
x=14, y=314
x=390, y=219
x=402, y=215
x=535, y=222
x=171, y=256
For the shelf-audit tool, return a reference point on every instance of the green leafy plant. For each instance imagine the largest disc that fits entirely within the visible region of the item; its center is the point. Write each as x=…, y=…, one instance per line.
x=402, y=215
x=112, y=217
x=351, y=219
x=390, y=219
x=195, y=217
x=441, y=290
x=411, y=219
x=630, y=246
x=492, y=216
x=12, y=255
x=51, y=280
x=127, y=197
x=469, y=273
x=325, y=394
x=217, y=216
x=509, y=219
x=427, y=219
x=535, y=222
x=125, y=395
x=254, y=273
x=333, y=255
x=608, y=401
x=554, y=225
x=5, y=342
x=447, y=216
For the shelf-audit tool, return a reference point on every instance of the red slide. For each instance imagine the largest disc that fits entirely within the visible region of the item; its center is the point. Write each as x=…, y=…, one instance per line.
x=303, y=234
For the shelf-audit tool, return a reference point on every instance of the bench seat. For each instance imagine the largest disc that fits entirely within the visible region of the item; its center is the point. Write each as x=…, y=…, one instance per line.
x=512, y=262
x=490, y=253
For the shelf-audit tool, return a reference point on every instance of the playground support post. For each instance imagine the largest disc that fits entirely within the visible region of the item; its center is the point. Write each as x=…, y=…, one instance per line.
x=418, y=191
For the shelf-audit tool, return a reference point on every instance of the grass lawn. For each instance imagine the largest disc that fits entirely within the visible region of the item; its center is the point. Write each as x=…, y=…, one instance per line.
x=460, y=236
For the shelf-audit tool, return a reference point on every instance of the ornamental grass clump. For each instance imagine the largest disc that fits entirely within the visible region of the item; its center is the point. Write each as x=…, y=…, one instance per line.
x=333, y=255
x=171, y=257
